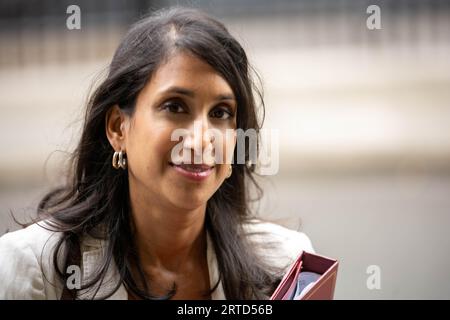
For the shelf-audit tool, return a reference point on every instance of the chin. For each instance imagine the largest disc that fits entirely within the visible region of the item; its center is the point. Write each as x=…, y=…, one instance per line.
x=189, y=200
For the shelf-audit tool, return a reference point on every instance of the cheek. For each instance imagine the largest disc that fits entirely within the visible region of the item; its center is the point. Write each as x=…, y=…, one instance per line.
x=229, y=143
x=149, y=148
x=222, y=171
x=228, y=147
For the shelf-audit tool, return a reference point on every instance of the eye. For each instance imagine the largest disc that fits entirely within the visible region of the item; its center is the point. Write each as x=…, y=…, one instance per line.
x=173, y=107
x=221, y=113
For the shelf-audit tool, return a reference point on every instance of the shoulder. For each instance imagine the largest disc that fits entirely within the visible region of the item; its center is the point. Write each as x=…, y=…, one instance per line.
x=276, y=232
x=26, y=262
x=34, y=237
x=278, y=245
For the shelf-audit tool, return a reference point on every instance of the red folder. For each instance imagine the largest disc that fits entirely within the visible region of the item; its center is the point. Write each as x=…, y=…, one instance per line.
x=321, y=289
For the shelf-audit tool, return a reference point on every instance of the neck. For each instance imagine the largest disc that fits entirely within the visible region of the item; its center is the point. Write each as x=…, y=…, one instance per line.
x=167, y=237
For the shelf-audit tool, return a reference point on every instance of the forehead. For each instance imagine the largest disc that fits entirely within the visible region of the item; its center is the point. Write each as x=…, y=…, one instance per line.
x=185, y=70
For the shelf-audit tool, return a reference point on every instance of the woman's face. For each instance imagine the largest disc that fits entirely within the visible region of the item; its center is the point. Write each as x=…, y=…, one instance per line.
x=184, y=93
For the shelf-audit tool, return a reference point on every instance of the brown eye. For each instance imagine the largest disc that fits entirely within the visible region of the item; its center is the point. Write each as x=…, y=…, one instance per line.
x=173, y=107
x=221, y=113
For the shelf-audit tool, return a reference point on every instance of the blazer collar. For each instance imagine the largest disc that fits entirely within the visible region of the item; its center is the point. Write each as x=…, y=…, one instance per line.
x=92, y=254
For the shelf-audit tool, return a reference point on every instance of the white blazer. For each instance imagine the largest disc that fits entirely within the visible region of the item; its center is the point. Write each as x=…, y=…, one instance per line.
x=27, y=271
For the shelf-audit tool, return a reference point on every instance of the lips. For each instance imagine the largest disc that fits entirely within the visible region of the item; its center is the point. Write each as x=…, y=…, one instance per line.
x=196, y=172
x=194, y=167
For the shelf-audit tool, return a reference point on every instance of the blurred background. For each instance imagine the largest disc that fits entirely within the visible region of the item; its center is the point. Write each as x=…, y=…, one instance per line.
x=363, y=117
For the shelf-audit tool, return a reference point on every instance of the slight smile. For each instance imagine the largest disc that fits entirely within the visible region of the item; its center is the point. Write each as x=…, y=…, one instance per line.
x=196, y=172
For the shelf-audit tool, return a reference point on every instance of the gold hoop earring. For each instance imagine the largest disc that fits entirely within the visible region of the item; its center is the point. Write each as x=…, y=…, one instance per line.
x=230, y=171
x=118, y=160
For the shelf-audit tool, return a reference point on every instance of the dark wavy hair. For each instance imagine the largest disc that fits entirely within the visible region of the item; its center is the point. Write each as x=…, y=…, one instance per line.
x=95, y=201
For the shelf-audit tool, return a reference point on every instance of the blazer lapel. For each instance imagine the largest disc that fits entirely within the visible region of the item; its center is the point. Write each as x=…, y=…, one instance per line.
x=93, y=250
x=218, y=294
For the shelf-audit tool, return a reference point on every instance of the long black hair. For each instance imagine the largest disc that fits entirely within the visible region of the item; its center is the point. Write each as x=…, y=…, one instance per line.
x=95, y=201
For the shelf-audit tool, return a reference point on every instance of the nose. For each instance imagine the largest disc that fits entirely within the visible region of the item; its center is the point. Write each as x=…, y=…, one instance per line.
x=198, y=141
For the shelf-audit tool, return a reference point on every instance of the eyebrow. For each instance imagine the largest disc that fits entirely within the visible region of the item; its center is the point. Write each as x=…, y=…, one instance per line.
x=191, y=94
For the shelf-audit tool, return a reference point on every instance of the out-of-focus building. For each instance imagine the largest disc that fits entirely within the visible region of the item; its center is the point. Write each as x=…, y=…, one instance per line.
x=363, y=118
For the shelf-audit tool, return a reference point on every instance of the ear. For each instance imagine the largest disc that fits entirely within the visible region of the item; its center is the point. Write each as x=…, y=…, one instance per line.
x=115, y=128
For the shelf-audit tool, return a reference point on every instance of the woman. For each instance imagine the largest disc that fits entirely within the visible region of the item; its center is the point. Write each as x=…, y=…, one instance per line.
x=133, y=223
